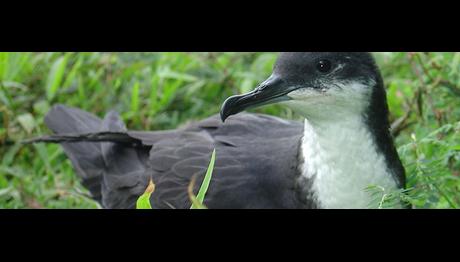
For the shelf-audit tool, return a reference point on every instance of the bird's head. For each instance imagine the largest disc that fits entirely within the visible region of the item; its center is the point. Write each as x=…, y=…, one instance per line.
x=318, y=85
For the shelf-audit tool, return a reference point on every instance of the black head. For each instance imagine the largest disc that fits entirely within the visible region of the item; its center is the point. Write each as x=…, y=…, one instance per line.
x=315, y=69
x=313, y=82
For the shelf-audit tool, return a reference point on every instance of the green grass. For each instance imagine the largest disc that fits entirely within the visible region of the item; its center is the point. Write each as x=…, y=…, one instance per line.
x=155, y=91
x=143, y=202
x=197, y=201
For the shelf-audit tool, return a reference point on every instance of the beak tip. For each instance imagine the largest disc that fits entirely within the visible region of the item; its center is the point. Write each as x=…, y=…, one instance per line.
x=222, y=116
x=266, y=92
x=226, y=109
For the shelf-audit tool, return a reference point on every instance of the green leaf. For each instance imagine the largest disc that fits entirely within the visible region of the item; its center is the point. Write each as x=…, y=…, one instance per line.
x=10, y=154
x=27, y=122
x=168, y=73
x=4, y=64
x=5, y=191
x=454, y=64
x=206, y=181
x=41, y=107
x=143, y=202
x=3, y=96
x=71, y=76
x=154, y=94
x=135, y=98
x=43, y=154
x=55, y=77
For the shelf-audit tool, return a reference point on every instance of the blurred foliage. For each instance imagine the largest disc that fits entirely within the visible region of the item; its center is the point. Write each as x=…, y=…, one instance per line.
x=164, y=90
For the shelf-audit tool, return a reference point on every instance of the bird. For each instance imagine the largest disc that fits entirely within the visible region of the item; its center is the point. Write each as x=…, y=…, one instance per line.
x=326, y=161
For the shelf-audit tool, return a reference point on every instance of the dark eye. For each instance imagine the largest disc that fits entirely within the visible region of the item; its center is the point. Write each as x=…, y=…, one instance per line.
x=324, y=66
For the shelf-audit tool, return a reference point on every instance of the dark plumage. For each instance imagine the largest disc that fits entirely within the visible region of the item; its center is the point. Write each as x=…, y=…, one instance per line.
x=117, y=173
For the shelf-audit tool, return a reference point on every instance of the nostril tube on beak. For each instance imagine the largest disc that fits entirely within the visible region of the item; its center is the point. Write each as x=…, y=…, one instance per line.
x=261, y=87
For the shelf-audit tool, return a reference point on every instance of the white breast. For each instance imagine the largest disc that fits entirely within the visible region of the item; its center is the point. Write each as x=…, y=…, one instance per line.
x=342, y=161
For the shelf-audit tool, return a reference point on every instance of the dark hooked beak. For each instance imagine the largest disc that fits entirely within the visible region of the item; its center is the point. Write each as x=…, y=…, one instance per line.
x=272, y=90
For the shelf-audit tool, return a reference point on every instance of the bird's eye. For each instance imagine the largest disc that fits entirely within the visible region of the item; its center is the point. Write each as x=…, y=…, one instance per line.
x=324, y=66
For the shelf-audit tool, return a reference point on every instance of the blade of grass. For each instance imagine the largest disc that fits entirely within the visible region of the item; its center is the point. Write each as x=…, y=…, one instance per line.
x=4, y=64
x=55, y=77
x=135, y=100
x=207, y=179
x=143, y=202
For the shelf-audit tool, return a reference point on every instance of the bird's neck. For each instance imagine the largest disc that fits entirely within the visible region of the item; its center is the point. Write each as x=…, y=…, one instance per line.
x=342, y=160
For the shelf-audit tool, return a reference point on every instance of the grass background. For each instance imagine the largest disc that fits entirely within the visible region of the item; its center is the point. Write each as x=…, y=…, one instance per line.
x=164, y=90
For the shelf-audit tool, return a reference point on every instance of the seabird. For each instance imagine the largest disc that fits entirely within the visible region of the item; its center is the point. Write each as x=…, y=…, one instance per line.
x=343, y=146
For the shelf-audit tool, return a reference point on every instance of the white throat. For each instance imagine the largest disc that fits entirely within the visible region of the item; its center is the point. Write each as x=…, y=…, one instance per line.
x=342, y=162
